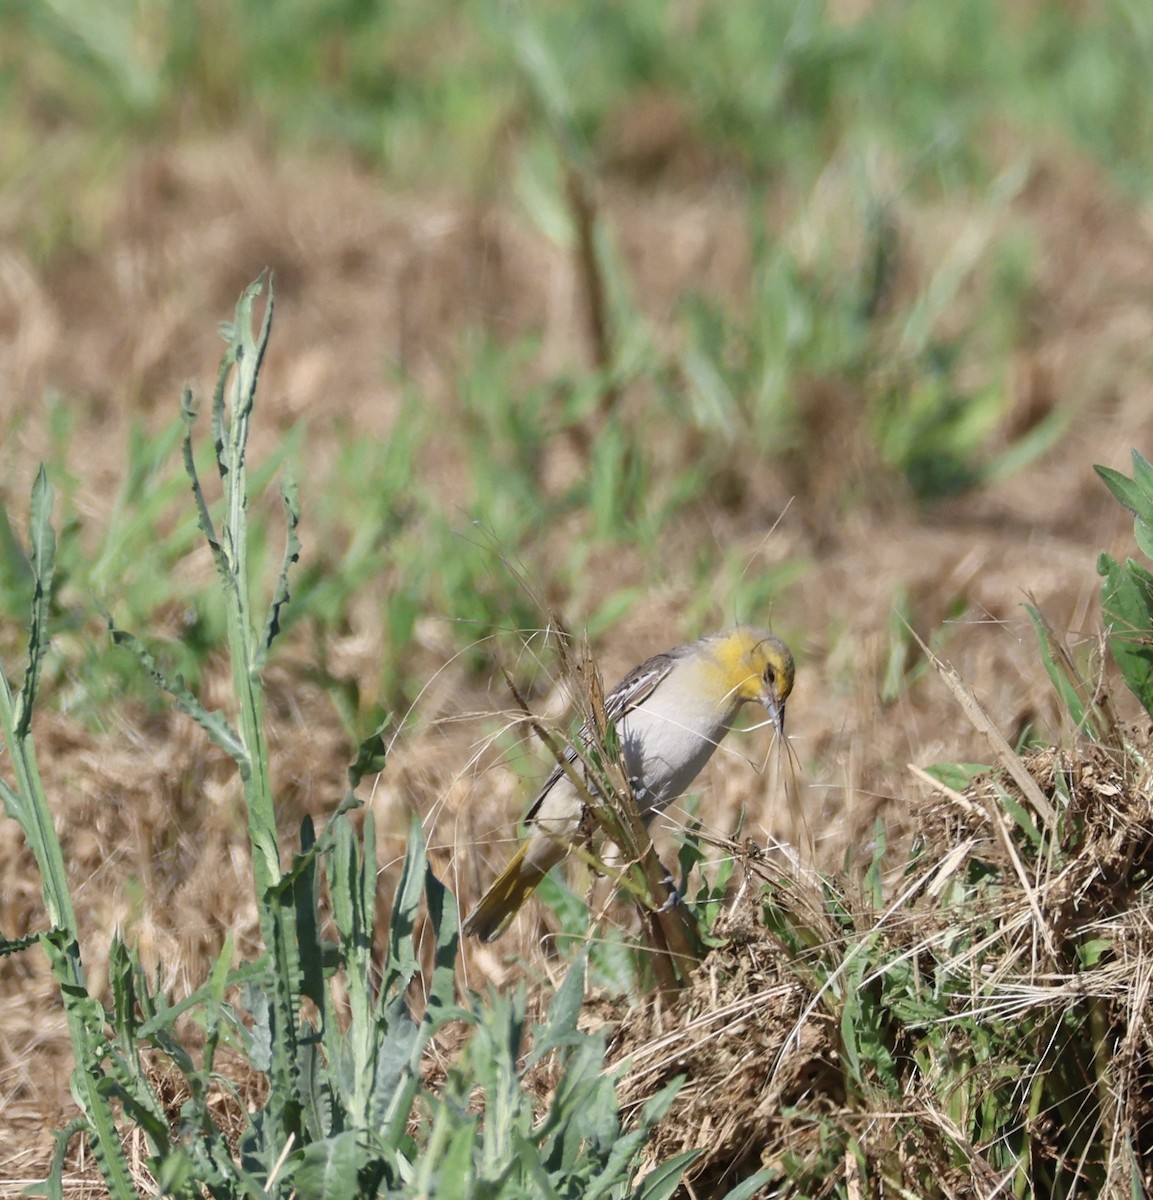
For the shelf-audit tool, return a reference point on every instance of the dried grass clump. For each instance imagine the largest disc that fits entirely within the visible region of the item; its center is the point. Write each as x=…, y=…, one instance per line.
x=973, y=1022
x=734, y=1035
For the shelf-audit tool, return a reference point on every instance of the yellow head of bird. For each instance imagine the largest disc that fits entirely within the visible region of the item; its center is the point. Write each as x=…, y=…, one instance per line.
x=764, y=667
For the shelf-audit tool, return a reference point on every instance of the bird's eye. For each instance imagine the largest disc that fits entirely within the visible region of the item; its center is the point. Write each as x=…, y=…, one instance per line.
x=770, y=674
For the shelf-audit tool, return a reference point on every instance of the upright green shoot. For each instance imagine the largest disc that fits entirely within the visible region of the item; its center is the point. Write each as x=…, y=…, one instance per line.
x=27, y=804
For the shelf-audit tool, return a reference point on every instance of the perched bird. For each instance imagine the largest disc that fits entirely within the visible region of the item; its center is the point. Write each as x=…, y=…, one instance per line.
x=670, y=714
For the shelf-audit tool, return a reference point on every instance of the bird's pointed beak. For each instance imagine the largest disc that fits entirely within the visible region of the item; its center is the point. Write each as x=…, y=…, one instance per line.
x=775, y=708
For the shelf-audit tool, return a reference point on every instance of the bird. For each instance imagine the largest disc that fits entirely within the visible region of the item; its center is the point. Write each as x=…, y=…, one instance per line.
x=670, y=714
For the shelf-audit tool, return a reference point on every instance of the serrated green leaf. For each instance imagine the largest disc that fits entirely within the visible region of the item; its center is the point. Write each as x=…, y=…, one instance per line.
x=53, y=1185
x=617, y=1166
x=140, y=1104
x=15, y=945
x=345, y=872
x=203, y=516
x=323, y=1112
x=213, y=723
x=282, y=595
x=248, y=975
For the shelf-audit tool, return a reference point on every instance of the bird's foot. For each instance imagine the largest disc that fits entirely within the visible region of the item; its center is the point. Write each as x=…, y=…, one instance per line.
x=674, y=896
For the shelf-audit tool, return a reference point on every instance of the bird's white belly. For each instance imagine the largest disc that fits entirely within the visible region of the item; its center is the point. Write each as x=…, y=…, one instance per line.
x=665, y=748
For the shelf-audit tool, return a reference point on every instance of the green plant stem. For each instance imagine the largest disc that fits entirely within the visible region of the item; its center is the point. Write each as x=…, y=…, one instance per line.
x=28, y=806
x=246, y=355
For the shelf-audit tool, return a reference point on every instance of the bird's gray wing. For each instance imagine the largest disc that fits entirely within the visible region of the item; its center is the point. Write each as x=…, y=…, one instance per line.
x=636, y=687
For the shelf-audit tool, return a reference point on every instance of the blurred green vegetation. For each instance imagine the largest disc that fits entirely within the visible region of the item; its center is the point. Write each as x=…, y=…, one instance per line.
x=783, y=105
x=427, y=89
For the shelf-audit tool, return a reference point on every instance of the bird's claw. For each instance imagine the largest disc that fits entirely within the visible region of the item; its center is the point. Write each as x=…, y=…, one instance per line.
x=674, y=895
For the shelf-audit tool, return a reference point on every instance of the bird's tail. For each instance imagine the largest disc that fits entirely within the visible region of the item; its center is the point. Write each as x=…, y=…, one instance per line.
x=500, y=903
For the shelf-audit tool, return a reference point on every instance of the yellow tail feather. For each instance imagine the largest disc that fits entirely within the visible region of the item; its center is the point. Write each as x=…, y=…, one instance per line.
x=497, y=907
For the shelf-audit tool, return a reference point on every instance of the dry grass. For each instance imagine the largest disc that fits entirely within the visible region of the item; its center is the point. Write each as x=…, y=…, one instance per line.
x=757, y=1038
x=368, y=281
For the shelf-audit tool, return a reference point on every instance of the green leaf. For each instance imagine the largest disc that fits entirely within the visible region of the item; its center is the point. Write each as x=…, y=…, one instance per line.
x=323, y=1116
x=258, y=1042
x=397, y=1049
x=42, y=543
x=213, y=723
x=370, y=754
x=1022, y=818
x=346, y=883
x=1136, y=495
x=291, y=557
x=957, y=776
x=53, y=1185
x=1064, y=686
x=613, y=609
x=1127, y=602
x=1092, y=951
x=41, y=537
x=1129, y=492
x=561, y=1028
x=176, y=1170
x=662, y=1181
x=456, y=1175
x=13, y=802
x=874, y=881
x=304, y=887
x=403, y=962
x=203, y=516
x=445, y=920
x=247, y=976
x=529, y=1161
x=749, y=1187
x=1143, y=532
x=547, y=83
x=657, y=1107
x=1142, y=472
x=1028, y=448
x=329, y=1169
x=15, y=569
x=15, y=945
